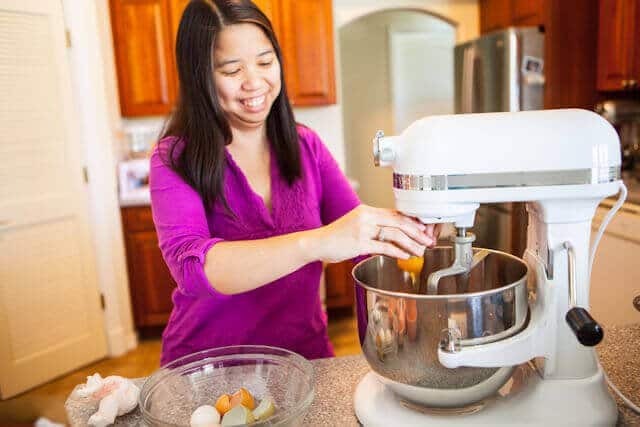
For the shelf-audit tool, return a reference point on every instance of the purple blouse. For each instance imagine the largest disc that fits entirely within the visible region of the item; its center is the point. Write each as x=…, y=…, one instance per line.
x=284, y=313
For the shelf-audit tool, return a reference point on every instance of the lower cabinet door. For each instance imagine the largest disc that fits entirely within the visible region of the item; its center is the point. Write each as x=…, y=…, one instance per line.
x=149, y=279
x=339, y=285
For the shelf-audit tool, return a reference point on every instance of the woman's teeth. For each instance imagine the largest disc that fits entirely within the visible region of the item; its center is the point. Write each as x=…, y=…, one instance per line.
x=254, y=102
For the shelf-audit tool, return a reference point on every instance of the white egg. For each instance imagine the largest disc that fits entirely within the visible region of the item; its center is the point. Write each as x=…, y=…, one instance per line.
x=205, y=416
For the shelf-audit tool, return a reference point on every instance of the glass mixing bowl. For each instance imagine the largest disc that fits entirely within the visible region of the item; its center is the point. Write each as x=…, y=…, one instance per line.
x=172, y=393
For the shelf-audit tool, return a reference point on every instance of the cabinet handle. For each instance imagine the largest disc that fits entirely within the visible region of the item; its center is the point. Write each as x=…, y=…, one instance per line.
x=632, y=83
x=625, y=83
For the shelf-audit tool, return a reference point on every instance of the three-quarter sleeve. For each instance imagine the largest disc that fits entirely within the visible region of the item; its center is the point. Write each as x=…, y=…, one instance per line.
x=337, y=196
x=181, y=224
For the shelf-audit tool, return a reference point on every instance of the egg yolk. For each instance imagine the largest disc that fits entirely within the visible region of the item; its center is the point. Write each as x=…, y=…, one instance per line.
x=411, y=265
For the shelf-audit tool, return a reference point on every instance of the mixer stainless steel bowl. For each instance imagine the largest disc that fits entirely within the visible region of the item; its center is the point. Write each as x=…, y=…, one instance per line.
x=400, y=326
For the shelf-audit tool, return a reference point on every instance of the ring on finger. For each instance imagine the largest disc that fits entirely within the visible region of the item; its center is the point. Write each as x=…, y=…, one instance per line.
x=380, y=236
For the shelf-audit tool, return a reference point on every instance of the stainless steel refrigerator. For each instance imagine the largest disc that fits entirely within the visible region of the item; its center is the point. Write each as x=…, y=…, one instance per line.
x=500, y=71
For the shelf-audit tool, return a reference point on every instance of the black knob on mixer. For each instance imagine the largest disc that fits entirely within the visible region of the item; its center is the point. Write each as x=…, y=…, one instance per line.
x=587, y=330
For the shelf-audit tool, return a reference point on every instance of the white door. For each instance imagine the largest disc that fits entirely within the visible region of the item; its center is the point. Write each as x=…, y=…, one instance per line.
x=50, y=315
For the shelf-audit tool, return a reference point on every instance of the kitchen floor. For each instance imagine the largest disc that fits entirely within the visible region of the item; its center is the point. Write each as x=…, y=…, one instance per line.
x=48, y=400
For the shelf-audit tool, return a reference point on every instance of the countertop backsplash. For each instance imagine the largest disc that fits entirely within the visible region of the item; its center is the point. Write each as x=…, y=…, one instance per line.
x=140, y=135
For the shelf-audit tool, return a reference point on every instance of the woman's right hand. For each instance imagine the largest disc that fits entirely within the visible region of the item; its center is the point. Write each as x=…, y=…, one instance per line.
x=368, y=230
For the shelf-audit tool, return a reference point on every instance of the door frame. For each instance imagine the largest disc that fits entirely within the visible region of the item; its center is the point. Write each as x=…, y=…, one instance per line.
x=92, y=67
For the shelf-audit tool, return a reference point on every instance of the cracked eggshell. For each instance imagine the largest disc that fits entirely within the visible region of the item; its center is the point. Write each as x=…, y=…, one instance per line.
x=238, y=415
x=264, y=410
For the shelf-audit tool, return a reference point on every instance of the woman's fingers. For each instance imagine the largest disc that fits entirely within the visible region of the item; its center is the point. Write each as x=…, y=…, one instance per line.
x=433, y=231
x=400, y=239
x=388, y=249
x=410, y=226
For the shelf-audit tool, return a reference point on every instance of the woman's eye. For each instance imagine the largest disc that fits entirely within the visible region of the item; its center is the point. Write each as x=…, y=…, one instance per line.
x=265, y=64
x=230, y=72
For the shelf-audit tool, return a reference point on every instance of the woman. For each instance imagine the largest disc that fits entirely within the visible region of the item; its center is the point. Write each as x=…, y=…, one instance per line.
x=247, y=204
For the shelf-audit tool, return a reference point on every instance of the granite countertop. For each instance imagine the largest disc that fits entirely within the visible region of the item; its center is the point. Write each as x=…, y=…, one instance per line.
x=336, y=380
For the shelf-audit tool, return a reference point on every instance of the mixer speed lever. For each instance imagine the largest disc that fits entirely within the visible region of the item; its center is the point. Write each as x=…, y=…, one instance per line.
x=586, y=329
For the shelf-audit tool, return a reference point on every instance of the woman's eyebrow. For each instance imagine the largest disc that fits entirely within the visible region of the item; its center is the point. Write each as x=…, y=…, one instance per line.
x=228, y=61
x=265, y=52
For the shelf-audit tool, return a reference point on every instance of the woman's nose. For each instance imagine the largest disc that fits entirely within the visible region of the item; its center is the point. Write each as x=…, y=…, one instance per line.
x=251, y=80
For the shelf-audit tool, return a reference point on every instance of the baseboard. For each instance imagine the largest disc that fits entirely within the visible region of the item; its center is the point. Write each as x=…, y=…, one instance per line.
x=120, y=341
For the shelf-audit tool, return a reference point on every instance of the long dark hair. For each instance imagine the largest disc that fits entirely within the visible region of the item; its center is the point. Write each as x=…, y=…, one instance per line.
x=198, y=122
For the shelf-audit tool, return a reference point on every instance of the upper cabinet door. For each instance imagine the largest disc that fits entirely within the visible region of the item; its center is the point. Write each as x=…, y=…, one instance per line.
x=271, y=9
x=615, y=44
x=494, y=15
x=143, y=49
x=307, y=43
x=634, y=48
x=176, y=8
x=527, y=12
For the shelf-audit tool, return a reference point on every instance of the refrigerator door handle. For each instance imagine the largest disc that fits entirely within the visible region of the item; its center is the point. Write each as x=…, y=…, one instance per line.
x=515, y=82
x=468, y=66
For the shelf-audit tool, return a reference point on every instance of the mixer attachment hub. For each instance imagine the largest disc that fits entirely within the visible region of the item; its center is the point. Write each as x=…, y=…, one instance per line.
x=463, y=263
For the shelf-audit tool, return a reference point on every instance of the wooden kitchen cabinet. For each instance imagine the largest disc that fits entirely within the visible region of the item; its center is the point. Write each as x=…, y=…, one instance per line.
x=150, y=281
x=618, y=36
x=307, y=43
x=271, y=8
x=527, y=12
x=499, y=14
x=339, y=285
x=494, y=15
x=143, y=48
x=144, y=33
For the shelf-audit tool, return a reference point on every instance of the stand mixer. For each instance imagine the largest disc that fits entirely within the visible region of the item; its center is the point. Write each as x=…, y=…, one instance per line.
x=563, y=163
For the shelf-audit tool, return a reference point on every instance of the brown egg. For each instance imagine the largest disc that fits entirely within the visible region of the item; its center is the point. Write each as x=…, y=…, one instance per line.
x=244, y=398
x=223, y=404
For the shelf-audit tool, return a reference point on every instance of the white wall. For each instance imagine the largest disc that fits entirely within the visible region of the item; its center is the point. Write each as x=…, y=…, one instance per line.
x=392, y=74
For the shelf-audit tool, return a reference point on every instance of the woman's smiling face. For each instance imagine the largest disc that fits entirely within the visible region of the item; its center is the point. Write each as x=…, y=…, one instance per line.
x=246, y=73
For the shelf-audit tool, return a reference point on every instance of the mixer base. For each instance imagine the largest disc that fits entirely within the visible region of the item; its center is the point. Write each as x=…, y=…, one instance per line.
x=584, y=402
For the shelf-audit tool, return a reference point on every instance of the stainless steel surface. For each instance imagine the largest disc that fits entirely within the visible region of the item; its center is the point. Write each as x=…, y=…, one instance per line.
x=500, y=71
x=509, y=179
x=492, y=226
x=400, y=326
x=381, y=154
x=624, y=115
x=571, y=259
x=461, y=263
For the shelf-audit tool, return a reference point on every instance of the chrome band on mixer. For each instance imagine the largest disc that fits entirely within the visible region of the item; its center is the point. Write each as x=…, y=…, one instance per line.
x=508, y=179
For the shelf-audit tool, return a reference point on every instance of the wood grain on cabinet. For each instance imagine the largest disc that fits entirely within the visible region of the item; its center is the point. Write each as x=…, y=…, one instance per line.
x=499, y=14
x=339, y=285
x=271, y=8
x=527, y=12
x=494, y=15
x=307, y=43
x=143, y=52
x=571, y=45
x=635, y=46
x=150, y=281
x=614, y=44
